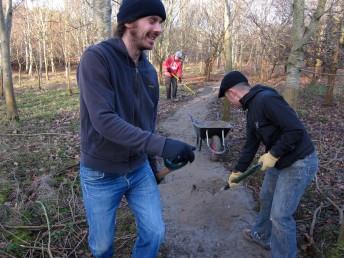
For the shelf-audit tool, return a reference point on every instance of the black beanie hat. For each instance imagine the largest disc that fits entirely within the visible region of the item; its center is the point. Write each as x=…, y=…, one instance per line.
x=229, y=80
x=131, y=10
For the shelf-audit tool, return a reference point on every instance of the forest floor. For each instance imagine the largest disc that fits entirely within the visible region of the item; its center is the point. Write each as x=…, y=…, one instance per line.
x=39, y=180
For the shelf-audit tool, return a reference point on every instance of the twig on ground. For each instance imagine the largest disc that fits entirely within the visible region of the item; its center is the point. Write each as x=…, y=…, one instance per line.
x=48, y=224
x=7, y=254
x=34, y=134
x=78, y=244
x=41, y=227
x=9, y=232
x=311, y=230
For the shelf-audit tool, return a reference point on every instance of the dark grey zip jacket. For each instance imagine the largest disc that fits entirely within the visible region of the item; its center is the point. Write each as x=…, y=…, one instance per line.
x=118, y=108
x=272, y=121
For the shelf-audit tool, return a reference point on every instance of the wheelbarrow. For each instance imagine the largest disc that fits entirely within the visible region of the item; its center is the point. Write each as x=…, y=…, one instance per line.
x=214, y=131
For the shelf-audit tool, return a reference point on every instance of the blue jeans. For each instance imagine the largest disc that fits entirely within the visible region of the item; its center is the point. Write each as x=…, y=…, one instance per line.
x=102, y=193
x=279, y=197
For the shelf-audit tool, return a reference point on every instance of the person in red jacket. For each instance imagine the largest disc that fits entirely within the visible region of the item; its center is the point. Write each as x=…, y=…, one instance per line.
x=173, y=70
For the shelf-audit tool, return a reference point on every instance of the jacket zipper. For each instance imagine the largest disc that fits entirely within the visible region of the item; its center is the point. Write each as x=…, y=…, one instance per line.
x=137, y=100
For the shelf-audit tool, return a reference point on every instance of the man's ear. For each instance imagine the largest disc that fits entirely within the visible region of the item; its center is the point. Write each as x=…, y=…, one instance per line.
x=229, y=91
x=129, y=25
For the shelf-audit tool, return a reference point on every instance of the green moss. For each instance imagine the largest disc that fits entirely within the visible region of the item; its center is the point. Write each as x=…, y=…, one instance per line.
x=21, y=235
x=316, y=89
x=5, y=191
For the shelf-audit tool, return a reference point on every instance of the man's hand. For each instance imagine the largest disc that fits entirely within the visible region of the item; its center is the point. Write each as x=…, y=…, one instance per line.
x=180, y=79
x=232, y=176
x=177, y=151
x=169, y=69
x=267, y=160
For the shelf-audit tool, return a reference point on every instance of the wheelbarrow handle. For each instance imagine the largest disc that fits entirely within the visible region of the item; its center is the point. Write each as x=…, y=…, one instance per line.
x=247, y=173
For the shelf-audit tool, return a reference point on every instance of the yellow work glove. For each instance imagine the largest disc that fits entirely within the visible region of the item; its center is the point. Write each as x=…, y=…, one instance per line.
x=267, y=160
x=231, y=177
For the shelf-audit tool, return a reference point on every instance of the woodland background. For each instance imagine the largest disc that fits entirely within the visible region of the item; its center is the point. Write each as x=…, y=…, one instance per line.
x=296, y=46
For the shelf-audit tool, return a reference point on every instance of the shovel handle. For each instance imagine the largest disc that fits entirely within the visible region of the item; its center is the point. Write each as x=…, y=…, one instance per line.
x=163, y=172
x=247, y=173
x=169, y=167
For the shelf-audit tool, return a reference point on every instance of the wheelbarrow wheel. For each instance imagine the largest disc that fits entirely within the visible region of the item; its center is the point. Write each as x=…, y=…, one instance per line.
x=216, y=145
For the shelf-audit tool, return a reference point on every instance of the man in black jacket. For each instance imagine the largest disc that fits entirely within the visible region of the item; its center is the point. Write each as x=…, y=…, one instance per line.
x=119, y=94
x=290, y=162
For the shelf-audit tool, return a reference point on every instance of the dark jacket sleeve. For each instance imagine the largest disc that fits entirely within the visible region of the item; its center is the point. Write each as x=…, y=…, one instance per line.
x=98, y=96
x=277, y=110
x=249, y=150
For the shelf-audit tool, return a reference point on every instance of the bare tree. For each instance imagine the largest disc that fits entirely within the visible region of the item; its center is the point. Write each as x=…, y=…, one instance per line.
x=102, y=18
x=300, y=36
x=228, y=37
x=5, y=34
x=332, y=49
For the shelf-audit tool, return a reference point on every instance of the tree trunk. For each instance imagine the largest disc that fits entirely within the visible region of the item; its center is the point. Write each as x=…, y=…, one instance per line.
x=228, y=46
x=31, y=58
x=317, y=70
x=295, y=59
x=69, y=86
x=334, y=48
x=1, y=83
x=300, y=37
x=5, y=32
x=19, y=74
x=208, y=68
x=161, y=76
x=102, y=17
x=38, y=74
x=51, y=55
x=45, y=58
x=226, y=109
x=40, y=61
x=26, y=57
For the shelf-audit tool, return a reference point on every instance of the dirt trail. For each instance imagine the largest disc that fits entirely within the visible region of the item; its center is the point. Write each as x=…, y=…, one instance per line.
x=202, y=221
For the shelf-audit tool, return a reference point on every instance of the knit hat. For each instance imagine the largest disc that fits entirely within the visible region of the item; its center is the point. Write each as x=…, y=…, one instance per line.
x=131, y=10
x=179, y=54
x=229, y=80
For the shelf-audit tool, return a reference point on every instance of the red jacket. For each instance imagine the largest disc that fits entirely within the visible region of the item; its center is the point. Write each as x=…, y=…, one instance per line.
x=175, y=66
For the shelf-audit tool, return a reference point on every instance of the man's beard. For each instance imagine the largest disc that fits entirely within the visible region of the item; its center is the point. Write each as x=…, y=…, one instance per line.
x=137, y=41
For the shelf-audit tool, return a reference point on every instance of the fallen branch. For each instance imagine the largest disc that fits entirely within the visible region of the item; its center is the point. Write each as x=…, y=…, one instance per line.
x=315, y=215
x=34, y=134
x=7, y=254
x=76, y=247
x=339, y=209
x=48, y=224
x=9, y=232
x=41, y=227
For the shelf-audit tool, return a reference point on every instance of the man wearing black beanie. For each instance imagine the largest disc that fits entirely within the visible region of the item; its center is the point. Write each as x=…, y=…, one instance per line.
x=119, y=93
x=289, y=163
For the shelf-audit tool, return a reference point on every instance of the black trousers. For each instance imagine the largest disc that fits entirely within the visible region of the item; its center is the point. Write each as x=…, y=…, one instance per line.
x=171, y=87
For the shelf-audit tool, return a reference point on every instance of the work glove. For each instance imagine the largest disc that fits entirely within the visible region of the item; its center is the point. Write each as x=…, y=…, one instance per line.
x=154, y=167
x=169, y=69
x=267, y=160
x=232, y=176
x=177, y=151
